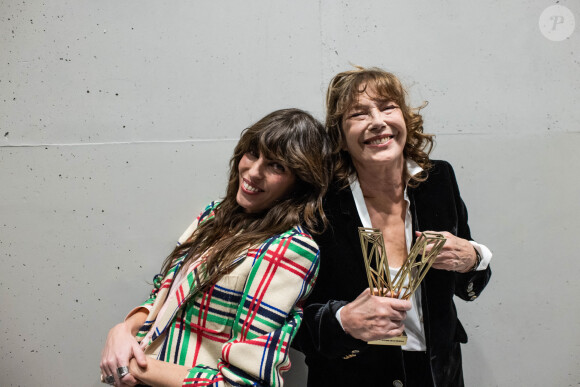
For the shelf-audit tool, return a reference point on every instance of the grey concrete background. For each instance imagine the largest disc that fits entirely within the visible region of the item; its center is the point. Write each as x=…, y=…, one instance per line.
x=117, y=119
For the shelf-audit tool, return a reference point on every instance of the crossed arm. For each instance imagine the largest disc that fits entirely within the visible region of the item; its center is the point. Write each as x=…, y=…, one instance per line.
x=122, y=349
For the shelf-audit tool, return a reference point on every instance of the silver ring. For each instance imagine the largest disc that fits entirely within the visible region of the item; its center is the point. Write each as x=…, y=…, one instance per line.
x=122, y=371
x=110, y=379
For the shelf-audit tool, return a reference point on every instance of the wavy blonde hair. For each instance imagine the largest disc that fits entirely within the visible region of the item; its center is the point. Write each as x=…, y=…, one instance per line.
x=298, y=141
x=342, y=94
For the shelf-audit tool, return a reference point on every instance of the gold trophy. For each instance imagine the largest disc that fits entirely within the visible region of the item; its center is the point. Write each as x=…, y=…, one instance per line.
x=409, y=276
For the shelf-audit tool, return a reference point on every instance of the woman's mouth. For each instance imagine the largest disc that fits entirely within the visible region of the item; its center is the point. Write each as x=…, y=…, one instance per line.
x=249, y=187
x=379, y=140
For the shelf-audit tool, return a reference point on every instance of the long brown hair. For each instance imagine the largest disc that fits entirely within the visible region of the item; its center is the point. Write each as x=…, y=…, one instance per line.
x=343, y=92
x=298, y=141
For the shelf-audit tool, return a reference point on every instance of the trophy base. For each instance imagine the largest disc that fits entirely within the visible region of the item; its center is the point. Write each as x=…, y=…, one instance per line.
x=398, y=341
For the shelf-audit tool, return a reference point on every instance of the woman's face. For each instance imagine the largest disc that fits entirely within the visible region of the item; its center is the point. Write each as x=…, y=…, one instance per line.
x=262, y=182
x=374, y=131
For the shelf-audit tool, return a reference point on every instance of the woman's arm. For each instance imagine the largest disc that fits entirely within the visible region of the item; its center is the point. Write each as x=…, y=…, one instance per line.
x=458, y=253
x=121, y=347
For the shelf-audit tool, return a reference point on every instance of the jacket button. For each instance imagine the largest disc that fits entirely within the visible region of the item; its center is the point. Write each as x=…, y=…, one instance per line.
x=473, y=297
x=397, y=383
x=470, y=287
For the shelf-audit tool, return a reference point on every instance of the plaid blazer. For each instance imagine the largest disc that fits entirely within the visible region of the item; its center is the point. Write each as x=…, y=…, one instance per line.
x=239, y=331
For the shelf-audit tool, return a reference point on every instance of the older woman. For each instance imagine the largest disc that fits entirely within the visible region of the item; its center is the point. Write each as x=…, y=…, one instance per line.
x=229, y=299
x=386, y=180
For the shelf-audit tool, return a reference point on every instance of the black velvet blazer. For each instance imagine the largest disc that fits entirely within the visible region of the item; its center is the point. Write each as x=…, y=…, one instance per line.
x=334, y=358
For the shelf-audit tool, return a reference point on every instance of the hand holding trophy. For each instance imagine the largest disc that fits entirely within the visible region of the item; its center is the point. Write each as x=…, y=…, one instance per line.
x=408, y=277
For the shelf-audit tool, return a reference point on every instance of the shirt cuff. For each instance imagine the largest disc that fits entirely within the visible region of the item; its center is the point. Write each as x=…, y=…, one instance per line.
x=337, y=315
x=484, y=253
x=136, y=309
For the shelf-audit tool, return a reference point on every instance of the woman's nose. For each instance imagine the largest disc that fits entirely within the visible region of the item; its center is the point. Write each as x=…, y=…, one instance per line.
x=377, y=121
x=257, y=169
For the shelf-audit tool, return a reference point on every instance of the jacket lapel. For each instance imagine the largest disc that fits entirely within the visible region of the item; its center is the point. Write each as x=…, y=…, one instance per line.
x=175, y=300
x=180, y=295
x=350, y=217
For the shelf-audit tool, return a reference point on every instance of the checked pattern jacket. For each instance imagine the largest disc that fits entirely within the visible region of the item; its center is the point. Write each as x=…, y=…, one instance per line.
x=239, y=331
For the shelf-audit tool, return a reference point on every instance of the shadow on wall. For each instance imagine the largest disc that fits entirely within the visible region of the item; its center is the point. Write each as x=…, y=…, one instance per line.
x=298, y=373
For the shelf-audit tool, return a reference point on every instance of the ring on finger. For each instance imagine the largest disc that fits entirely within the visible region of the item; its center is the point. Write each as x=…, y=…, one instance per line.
x=110, y=379
x=122, y=371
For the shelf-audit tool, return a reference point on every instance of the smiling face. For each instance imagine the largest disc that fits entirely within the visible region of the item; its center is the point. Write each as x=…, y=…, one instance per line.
x=262, y=182
x=374, y=131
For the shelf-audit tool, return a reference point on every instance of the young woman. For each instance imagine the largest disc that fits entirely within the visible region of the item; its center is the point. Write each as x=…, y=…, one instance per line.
x=228, y=301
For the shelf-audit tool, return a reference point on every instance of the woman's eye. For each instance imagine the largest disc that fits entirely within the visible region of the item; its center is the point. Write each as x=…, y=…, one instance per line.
x=389, y=107
x=252, y=154
x=278, y=167
x=356, y=115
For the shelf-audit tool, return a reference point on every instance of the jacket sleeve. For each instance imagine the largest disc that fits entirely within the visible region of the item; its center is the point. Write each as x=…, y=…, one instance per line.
x=468, y=286
x=268, y=316
x=164, y=284
x=325, y=333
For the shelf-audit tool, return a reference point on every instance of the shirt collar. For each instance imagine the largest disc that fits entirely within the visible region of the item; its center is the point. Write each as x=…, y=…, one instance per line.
x=412, y=167
x=359, y=200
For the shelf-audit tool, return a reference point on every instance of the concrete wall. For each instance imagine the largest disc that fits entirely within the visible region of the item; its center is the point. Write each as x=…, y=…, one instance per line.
x=117, y=120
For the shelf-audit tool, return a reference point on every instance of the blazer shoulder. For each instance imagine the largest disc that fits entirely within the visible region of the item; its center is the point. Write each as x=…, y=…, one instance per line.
x=440, y=166
x=206, y=214
x=209, y=211
x=296, y=234
x=440, y=170
x=297, y=239
x=338, y=201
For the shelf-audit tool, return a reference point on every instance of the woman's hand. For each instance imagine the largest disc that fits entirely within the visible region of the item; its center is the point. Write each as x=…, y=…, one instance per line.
x=120, y=348
x=371, y=317
x=457, y=253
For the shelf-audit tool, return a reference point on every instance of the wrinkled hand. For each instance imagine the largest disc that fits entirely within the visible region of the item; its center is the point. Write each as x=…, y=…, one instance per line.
x=371, y=317
x=120, y=347
x=457, y=253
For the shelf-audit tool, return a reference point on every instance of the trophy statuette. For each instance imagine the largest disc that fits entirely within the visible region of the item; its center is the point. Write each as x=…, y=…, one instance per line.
x=408, y=277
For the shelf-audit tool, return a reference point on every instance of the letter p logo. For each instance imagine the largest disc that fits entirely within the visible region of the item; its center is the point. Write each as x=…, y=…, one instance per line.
x=557, y=20
x=557, y=23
